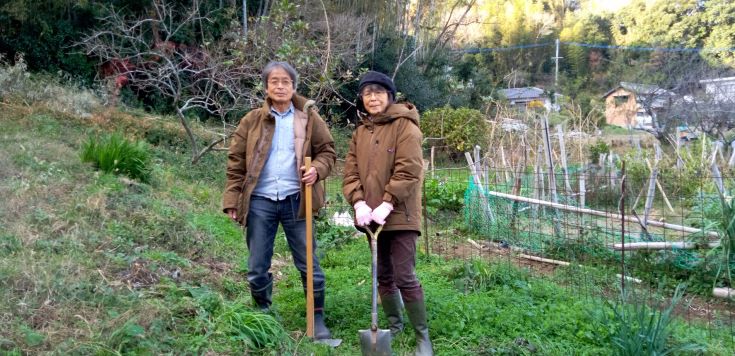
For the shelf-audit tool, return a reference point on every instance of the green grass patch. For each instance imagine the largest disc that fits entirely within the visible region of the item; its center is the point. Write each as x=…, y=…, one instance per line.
x=115, y=154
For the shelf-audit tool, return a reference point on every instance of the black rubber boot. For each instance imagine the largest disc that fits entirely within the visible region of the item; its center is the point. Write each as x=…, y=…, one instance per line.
x=262, y=298
x=393, y=308
x=320, y=329
x=416, y=311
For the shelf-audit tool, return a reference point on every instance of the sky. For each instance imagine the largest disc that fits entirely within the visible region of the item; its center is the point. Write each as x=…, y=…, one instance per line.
x=609, y=5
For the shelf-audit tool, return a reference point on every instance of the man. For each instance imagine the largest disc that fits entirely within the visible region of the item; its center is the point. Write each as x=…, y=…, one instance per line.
x=266, y=178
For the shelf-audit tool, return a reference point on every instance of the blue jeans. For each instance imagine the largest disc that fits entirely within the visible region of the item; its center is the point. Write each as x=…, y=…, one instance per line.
x=263, y=219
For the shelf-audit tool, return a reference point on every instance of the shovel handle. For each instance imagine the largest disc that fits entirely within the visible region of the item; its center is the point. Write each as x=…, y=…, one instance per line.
x=309, y=258
x=374, y=250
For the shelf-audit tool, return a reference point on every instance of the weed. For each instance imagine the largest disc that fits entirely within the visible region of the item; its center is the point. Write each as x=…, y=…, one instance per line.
x=254, y=329
x=332, y=236
x=114, y=154
x=640, y=330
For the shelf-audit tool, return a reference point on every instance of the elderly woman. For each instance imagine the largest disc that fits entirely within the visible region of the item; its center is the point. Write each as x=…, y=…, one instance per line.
x=382, y=180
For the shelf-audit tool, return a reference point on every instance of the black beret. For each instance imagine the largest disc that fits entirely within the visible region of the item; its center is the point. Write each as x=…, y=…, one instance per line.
x=381, y=79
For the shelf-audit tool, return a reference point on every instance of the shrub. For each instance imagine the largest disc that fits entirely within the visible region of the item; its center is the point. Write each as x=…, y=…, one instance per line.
x=460, y=128
x=115, y=154
x=442, y=195
x=331, y=235
x=598, y=148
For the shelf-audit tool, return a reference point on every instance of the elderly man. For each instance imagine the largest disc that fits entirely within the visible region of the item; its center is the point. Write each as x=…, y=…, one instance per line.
x=266, y=178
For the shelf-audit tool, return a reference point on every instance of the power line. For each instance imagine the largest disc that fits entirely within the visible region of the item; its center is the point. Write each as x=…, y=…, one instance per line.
x=593, y=45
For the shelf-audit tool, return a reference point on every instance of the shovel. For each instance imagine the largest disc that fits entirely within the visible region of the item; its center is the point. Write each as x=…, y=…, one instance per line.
x=310, y=268
x=374, y=341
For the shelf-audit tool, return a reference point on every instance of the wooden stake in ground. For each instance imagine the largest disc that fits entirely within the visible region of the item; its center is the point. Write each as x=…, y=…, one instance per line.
x=480, y=189
x=563, y=156
x=432, y=161
x=651, y=187
x=478, y=162
x=309, y=259
x=660, y=188
x=552, y=179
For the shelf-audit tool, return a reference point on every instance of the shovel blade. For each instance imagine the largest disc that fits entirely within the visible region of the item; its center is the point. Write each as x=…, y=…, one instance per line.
x=375, y=342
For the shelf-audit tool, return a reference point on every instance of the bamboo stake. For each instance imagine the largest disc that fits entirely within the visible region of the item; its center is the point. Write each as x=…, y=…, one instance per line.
x=483, y=197
x=661, y=189
x=679, y=161
x=723, y=292
x=582, y=187
x=536, y=186
x=552, y=179
x=432, y=162
x=717, y=177
x=545, y=260
x=563, y=155
x=603, y=214
x=651, y=188
x=478, y=162
x=663, y=245
x=629, y=278
x=505, y=164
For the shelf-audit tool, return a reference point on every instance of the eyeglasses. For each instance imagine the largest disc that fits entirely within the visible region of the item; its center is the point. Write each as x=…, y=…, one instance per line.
x=276, y=82
x=369, y=93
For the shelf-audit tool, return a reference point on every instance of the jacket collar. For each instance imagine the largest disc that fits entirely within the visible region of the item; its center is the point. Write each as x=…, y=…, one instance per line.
x=392, y=112
x=297, y=100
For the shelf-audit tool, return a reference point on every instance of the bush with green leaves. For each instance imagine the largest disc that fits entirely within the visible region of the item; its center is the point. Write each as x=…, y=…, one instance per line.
x=442, y=195
x=115, y=154
x=598, y=148
x=461, y=129
x=332, y=235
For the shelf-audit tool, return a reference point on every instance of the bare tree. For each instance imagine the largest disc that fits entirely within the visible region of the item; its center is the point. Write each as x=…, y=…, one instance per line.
x=192, y=77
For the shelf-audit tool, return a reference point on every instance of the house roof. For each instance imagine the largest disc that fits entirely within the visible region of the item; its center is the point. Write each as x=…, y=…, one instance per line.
x=642, y=89
x=658, y=96
x=521, y=93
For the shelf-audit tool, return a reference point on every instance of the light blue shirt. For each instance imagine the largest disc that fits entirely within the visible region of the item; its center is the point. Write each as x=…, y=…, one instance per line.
x=279, y=177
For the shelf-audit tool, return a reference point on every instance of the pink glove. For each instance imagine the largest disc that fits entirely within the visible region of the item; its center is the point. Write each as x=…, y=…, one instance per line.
x=381, y=212
x=363, y=213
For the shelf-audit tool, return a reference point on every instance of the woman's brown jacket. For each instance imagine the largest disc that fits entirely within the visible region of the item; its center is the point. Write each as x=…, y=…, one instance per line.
x=385, y=163
x=251, y=143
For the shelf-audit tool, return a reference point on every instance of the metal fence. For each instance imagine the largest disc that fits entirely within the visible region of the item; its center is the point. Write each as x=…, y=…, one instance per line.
x=596, y=228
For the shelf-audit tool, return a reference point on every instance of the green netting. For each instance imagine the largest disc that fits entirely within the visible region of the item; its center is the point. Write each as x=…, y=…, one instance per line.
x=532, y=227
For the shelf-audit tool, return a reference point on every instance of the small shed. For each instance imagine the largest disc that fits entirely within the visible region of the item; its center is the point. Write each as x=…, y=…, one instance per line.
x=626, y=104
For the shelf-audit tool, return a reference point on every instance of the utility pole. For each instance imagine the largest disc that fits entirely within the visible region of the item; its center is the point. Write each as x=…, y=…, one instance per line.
x=556, y=70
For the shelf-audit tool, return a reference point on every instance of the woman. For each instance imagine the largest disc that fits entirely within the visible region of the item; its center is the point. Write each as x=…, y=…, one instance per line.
x=382, y=181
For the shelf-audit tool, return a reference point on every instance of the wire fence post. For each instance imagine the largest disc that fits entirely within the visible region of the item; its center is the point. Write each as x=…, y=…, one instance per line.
x=622, y=229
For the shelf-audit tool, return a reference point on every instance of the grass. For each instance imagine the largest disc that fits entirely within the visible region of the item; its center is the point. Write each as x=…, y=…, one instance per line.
x=114, y=154
x=92, y=264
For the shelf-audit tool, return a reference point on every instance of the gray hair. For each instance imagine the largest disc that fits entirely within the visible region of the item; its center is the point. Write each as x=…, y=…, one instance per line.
x=283, y=65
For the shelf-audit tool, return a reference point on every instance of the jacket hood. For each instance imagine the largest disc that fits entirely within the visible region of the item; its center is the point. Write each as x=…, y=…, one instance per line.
x=393, y=112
